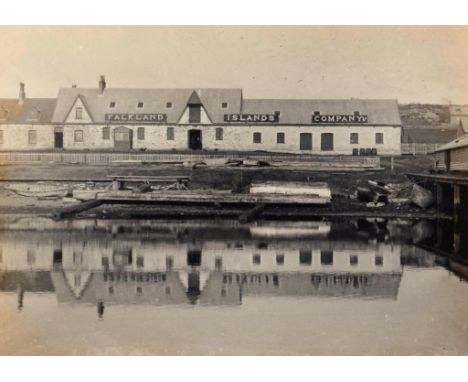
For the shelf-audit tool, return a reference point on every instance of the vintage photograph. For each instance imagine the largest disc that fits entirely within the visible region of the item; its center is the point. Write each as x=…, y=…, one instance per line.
x=234, y=190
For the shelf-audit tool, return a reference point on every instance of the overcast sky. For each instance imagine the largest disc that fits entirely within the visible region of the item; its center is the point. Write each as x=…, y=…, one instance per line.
x=412, y=64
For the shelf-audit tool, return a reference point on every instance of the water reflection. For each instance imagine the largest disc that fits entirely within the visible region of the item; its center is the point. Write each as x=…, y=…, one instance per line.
x=109, y=263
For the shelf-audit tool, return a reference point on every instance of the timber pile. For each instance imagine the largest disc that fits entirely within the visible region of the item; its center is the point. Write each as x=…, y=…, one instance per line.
x=318, y=189
x=197, y=197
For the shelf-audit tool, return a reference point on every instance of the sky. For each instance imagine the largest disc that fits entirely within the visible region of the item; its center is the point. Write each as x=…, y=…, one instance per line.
x=411, y=64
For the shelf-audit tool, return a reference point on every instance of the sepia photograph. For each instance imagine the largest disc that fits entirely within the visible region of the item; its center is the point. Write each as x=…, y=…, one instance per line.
x=233, y=190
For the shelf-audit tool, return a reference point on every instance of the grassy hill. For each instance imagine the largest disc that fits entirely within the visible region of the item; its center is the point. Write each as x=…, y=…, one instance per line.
x=424, y=115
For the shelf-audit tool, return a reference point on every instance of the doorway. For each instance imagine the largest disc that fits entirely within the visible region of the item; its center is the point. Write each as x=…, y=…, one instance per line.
x=195, y=139
x=305, y=141
x=327, y=142
x=58, y=140
x=58, y=137
x=123, y=138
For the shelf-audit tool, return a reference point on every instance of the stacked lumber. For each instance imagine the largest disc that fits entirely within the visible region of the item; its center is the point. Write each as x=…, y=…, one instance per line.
x=319, y=189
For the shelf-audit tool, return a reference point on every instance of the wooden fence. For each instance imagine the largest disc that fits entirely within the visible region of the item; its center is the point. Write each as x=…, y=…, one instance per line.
x=419, y=148
x=93, y=158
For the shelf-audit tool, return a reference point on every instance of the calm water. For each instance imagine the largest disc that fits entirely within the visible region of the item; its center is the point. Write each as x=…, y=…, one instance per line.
x=147, y=287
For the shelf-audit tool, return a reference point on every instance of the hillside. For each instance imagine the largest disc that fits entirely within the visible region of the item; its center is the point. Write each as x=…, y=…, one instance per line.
x=424, y=115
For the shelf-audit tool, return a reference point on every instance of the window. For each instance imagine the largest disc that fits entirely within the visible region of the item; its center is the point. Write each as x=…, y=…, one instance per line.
x=105, y=262
x=354, y=138
x=112, y=104
x=224, y=105
x=32, y=138
x=326, y=257
x=379, y=138
x=279, y=259
x=305, y=257
x=1, y=137
x=78, y=135
x=79, y=113
x=77, y=280
x=141, y=133
x=139, y=291
x=219, y=133
x=106, y=132
x=170, y=134
x=168, y=105
x=218, y=263
x=140, y=105
x=378, y=261
x=31, y=257
x=279, y=137
x=256, y=259
x=194, y=114
x=353, y=260
x=111, y=290
x=140, y=262
x=257, y=137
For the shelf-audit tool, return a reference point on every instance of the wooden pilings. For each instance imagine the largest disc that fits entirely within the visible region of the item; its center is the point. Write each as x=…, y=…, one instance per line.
x=77, y=208
x=252, y=214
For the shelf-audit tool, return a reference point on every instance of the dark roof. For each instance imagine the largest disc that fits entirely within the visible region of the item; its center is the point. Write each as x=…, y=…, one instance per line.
x=379, y=112
x=417, y=135
x=154, y=102
x=455, y=144
x=29, y=281
x=32, y=110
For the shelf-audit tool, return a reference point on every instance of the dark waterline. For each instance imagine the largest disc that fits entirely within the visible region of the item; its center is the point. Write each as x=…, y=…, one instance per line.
x=368, y=286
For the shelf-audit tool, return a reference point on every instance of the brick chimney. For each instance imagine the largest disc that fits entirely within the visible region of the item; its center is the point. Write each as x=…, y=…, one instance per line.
x=22, y=93
x=102, y=84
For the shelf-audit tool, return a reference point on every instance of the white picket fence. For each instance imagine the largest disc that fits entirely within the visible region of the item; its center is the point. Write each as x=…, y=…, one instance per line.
x=419, y=148
x=109, y=157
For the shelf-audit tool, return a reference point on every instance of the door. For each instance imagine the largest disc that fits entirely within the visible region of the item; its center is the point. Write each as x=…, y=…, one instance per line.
x=195, y=139
x=305, y=141
x=58, y=140
x=326, y=143
x=123, y=138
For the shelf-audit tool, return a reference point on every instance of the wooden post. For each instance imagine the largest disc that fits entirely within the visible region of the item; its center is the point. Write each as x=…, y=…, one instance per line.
x=252, y=214
x=456, y=218
x=77, y=208
x=117, y=184
x=392, y=164
x=440, y=197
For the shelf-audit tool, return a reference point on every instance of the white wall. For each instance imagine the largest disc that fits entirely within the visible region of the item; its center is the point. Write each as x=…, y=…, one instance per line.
x=15, y=137
x=235, y=137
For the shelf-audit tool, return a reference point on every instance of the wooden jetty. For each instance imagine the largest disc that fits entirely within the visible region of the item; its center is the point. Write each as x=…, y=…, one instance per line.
x=199, y=197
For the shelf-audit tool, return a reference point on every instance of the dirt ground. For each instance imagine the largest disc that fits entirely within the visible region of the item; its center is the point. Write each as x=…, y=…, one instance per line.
x=342, y=184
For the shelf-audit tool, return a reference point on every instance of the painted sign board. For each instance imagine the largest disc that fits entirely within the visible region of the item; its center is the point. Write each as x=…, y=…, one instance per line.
x=339, y=119
x=136, y=118
x=255, y=118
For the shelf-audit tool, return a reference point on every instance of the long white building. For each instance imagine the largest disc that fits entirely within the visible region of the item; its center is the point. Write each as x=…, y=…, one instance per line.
x=113, y=119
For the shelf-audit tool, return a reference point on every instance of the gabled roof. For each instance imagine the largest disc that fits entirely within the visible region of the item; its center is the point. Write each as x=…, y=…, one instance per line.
x=379, y=111
x=456, y=143
x=154, y=102
x=32, y=110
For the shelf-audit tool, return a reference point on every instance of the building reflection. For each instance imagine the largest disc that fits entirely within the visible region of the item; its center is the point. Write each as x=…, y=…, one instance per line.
x=108, y=263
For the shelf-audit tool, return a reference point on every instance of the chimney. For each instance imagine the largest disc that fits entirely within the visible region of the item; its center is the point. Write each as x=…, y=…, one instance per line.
x=102, y=84
x=22, y=93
